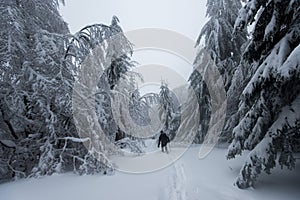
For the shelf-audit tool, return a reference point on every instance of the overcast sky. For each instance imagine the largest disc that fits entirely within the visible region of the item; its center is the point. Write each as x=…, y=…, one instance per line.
x=184, y=17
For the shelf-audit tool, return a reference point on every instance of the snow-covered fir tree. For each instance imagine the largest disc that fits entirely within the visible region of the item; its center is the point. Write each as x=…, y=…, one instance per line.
x=139, y=109
x=224, y=50
x=113, y=52
x=269, y=126
x=40, y=61
x=201, y=92
x=217, y=34
x=32, y=87
x=119, y=65
x=115, y=82
x=169, y=110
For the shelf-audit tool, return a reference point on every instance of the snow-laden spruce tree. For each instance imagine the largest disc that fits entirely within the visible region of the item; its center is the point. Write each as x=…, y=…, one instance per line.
x=32, y=85
x=38, y=135
x=224, y=51
x=116, y=55
x=169, y=110
x=218, y=41
x=270, y=102
x=139, y=109
x=201, y=92
x=104, y=47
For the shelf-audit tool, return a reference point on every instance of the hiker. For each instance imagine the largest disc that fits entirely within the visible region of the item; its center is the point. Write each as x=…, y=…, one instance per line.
x=163, y=140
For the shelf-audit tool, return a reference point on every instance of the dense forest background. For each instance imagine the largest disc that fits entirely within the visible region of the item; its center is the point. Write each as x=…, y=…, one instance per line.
x=41, y=60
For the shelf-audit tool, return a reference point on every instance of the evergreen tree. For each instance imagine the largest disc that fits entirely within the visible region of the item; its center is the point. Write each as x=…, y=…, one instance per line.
x=139, y=109
x=32, y=43
x=39, y=63
x=217, y=32
x=116, y=56
x=203, y=98
x=169, y=110
x=270, y=104
x=224, y=51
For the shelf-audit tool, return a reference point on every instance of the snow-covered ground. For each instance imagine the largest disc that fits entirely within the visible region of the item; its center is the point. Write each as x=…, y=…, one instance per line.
x=187, y=179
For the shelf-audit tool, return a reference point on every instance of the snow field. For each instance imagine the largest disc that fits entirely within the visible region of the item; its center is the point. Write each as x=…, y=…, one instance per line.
x=188, y=178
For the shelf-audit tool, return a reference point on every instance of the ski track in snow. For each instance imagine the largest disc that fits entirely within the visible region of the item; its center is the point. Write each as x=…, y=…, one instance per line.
x=188, y=178
x=177, y=183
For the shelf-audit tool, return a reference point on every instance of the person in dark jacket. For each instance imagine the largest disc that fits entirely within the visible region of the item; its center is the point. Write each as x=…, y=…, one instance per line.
x=163, y=140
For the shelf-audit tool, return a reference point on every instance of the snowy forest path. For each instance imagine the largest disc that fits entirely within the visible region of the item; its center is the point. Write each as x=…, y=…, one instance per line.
x=187, y=178
x=177, y=183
